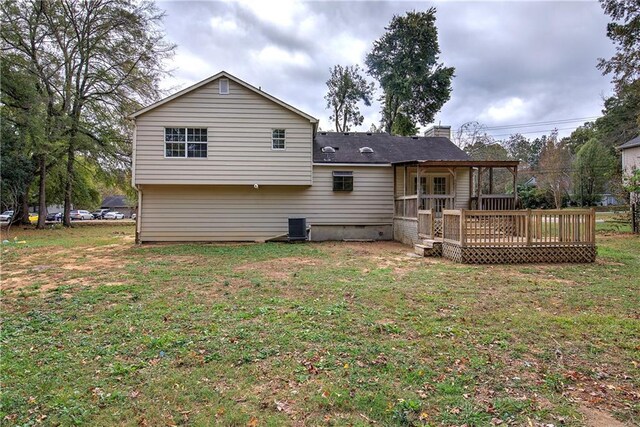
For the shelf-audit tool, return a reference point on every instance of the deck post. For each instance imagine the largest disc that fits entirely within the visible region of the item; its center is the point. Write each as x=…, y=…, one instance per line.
x=463, y=227
x=593, y=225
x=527, y=227
x=418, y=189
x=404, y=192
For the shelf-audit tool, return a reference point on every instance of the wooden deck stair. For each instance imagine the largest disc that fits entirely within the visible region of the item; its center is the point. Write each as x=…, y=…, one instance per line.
x=429, y=247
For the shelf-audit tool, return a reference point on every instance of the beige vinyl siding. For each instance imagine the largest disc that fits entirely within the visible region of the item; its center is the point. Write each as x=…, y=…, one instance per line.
x=462, y=188
x=219, y=213
x=239, y=152
x=630, y=159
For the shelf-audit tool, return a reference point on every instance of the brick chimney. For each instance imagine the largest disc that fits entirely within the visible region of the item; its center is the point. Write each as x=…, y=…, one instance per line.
x=439, y=130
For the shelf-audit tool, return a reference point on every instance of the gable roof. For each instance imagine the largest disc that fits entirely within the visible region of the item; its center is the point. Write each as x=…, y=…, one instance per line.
x=386, y=148
x=232, y=78
x=635, y=142
x=116, y=202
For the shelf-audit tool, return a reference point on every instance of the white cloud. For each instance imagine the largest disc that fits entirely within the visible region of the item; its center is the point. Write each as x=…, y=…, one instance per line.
x=226, y=24
x=505, y=110
x=276, y=57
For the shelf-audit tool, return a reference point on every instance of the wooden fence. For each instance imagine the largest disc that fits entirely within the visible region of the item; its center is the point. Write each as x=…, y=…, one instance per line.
x=518, y=228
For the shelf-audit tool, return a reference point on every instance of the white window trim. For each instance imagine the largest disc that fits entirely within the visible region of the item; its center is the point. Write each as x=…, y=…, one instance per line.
x=220, y=91
x=186, y=131
x=447, y=184
x=284, y=140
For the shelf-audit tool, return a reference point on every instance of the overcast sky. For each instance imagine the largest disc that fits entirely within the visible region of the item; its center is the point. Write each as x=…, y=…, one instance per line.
x=516, y=62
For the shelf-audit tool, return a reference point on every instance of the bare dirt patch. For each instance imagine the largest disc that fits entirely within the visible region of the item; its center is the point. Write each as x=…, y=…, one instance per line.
x=279, y=269
x=596, y=418
x=61, y=266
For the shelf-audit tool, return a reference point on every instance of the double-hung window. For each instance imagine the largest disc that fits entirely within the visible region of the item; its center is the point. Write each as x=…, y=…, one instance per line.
x=342, y=181
x=439, y=185
x=278, y=139
x=185, y=142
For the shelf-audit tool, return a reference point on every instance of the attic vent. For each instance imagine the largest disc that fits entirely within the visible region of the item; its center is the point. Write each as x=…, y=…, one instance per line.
x=328, y=150
x=364, y=150
x=323, y=133
x=346, y=133
x=369, y=133
x=414, y=137
x=224, y=86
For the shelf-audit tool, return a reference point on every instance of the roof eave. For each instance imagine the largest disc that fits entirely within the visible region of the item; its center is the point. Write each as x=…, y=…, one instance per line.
x=470, y=163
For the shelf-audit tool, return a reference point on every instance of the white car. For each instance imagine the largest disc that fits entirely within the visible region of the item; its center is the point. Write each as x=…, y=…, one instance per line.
x=113, y=215
x=6, y=215
x=80, y=214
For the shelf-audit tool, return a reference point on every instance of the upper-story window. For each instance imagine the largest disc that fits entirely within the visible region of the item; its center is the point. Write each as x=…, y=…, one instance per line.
x=223, y=85
x=185, y=142
x=278, y=139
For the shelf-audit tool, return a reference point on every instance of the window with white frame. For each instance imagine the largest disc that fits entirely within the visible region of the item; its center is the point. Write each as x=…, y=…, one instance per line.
x=185, y=142
x=439, y=185
x=342, y=181
x=224, y=86
x=278, y=139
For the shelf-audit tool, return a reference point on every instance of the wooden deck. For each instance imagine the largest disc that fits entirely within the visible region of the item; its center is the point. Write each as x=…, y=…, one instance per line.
x=513, y=236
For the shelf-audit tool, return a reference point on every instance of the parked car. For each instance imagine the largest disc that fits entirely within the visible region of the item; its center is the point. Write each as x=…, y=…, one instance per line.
x=99, y=214
x=113, y=215
x=33, y=217
x=6, y=216
x=81, y=215
x=57, y=216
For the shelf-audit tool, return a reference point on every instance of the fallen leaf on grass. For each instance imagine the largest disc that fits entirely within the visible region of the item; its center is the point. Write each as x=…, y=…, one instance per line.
x=253, y=422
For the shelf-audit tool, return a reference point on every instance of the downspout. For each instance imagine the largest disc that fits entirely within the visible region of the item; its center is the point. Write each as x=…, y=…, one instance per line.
x=133, y=181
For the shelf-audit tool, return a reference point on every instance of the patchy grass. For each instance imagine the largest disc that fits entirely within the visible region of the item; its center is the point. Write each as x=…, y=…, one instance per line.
x=98, y=331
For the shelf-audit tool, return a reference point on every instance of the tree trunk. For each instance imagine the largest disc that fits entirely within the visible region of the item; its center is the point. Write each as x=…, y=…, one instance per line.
x=68, y=186
x=23, y=215
x=42, y=196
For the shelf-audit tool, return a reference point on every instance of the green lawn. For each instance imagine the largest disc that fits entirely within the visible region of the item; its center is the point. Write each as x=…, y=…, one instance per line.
x=98, y=331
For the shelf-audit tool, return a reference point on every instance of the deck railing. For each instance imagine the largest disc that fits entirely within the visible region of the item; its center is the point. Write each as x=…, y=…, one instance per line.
x=406, y=206
x=494, y=202
x=426, y=224
x=519, y=228
x=437, y=203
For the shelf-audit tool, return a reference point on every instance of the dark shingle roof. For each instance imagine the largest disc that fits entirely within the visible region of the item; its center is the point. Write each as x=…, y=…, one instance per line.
x=115, y=202
x=635, y=142
x=386, y=148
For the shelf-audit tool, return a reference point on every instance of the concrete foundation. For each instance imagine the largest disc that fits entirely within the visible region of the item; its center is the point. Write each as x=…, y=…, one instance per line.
x=321, y=233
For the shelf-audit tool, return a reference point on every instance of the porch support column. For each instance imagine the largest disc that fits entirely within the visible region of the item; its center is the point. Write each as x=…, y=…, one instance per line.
x=491, y=180
x=418, y=189
x=452, y=171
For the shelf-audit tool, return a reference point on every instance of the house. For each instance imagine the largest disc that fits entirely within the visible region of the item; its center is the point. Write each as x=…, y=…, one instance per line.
x=119, y=203
x=225, y=161
x=630, y=162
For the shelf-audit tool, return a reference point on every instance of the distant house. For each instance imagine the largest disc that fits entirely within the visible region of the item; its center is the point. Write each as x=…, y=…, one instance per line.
x=631, y=161
x=119, y=203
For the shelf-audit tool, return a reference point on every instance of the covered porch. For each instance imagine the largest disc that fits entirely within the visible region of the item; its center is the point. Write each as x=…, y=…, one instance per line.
x=439, y=185
x=454, y=184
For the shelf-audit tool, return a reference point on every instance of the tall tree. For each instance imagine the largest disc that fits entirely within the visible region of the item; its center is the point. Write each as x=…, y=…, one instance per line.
x=624, y=31
x=594, y=165
x=555, y=169
x=525, y=150
x=405, y=61
x=470, y=132
x=347, y=87
x=96, y=60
